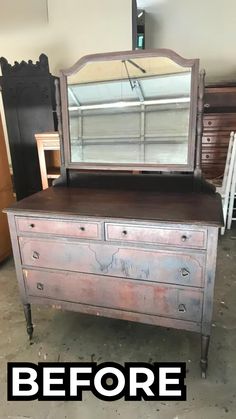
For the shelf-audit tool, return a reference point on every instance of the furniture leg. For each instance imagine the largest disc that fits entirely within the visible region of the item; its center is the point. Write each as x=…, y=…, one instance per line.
x=28, y=318
x=205, y=340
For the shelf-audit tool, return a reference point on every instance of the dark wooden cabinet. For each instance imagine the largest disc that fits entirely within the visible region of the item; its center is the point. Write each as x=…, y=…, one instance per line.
x=139, y=247
x=29, y=102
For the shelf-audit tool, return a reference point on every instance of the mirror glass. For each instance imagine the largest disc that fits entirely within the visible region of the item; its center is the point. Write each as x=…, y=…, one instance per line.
x=130, y=111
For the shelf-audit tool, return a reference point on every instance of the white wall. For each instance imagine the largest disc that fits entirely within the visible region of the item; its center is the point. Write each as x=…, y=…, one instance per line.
x=63, y=29
x=204, y=29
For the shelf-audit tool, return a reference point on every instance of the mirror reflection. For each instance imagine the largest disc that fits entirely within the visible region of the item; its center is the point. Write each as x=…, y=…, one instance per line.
x=130, y=111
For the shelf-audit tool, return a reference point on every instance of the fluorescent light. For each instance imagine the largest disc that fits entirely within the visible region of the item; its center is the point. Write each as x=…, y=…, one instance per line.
x=140, y=14
x=123, y=104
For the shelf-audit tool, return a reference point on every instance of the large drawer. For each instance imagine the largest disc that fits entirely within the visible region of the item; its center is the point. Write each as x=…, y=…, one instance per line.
x=219, y=139
x=123, y=294
x=220, y=121
x=185, y=267
x=156, y=235
x=70, y=228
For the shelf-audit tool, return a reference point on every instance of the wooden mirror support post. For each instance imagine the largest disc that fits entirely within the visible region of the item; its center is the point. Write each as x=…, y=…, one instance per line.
x=139, y=247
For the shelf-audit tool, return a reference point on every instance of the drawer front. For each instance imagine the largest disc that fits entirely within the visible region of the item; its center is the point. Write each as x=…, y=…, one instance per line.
x=81, y=229
x=219, y=140
x=116, y=293
x=220, y=121
x=217, y=154
x=212, y=171
x=185, y=268
x=156, y=235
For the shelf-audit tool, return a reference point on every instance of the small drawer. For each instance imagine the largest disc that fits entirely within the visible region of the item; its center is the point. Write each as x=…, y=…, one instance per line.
x=156, y=235
x=214, y=155
x=216, y=140
x=220, y=121
x=67, y=228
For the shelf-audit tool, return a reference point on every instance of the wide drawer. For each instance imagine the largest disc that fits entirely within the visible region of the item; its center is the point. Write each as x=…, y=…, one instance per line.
x=218, y=139
x=156, y=235
x=214, y=155
x=70, y=228
x=220, y=121
x=184, y=268
x=116, y=293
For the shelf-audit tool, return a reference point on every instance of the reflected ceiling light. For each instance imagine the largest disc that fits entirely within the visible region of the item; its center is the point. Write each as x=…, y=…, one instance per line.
x=140, y=14
x=123, y=104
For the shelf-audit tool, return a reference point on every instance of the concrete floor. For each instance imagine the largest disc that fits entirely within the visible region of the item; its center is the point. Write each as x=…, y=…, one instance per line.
x=68, y=336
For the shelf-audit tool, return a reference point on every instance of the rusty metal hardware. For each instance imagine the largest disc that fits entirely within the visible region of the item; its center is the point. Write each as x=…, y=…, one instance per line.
x=184, y=272
x=35, y=255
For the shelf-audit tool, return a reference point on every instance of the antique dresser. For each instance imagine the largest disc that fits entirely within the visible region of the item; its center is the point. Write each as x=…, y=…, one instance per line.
x=130, y=228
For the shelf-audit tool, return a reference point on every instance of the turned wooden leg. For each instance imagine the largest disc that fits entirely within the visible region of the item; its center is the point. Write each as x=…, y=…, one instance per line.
x=204, y=354
x=28, y=318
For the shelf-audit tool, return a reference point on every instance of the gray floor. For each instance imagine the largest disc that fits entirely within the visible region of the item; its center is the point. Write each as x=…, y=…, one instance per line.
x=69, y=336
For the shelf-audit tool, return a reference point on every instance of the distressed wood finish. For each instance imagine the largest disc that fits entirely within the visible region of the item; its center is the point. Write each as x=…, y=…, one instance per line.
x=155, y=235
x=154, y=278
x=128, y=295
x=183, y=268
x=82, y=229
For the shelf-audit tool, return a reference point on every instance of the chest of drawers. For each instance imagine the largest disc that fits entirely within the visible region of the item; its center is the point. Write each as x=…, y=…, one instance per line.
x=215, y=142
x=96, y=258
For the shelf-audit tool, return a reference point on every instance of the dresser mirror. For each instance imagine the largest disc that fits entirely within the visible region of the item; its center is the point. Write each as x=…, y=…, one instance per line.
x=131, y=110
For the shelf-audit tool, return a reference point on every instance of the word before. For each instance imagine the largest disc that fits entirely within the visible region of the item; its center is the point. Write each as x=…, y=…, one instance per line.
x=107, y=381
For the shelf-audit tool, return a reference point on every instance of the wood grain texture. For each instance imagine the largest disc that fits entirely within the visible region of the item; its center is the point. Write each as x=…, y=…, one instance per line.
x=189, y=208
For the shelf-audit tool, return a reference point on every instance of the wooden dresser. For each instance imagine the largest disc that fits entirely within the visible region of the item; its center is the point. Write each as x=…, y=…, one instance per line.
x=138, y=247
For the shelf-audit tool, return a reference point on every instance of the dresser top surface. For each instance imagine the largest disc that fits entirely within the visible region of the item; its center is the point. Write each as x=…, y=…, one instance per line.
x=173, y=207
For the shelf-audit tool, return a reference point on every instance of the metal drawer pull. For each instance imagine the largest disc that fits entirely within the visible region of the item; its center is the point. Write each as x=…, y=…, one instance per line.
x=40, y=286
x=182, y=308
x=35, y=255
x=184, y=272
x=82, y=228
x=184, y=238
x=124, y=232
x=32, y=225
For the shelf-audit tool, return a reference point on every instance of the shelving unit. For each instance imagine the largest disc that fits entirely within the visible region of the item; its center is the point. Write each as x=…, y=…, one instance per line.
x=48, y=145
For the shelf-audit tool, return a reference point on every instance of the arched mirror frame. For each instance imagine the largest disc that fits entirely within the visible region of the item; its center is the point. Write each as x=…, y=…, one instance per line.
x=125, y=55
